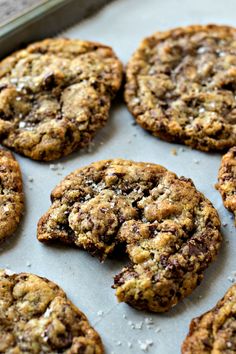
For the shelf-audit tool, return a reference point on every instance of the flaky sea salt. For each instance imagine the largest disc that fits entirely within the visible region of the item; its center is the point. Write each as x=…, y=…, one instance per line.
x=201, y=110
x=22, y=124
x=144, y=346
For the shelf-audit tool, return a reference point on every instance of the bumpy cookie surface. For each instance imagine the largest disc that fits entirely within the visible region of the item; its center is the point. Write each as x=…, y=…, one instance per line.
x=170, y=230
x=227, y=180
x=181, y=86
x=54, y=96
x=214, y=331
x=11, y=194
x=36, y=317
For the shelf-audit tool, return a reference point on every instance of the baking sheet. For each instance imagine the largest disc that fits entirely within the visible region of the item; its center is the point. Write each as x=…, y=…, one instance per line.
x=44, y=20
x=122, y=25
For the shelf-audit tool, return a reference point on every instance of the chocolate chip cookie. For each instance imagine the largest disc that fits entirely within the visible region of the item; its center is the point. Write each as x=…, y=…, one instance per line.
x=227, y=180
x=55, y=95
x=181, y=86
x=37, y=317
x=214, y=331
x=169, y=230
x=11, y=194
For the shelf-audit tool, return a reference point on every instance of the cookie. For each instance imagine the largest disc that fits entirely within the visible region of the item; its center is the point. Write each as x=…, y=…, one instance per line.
x=37, y=317
x=181, y=86
x=227, y=180
x=55, y=95
x=169, y=230
x=11, y=194
x=214, y=331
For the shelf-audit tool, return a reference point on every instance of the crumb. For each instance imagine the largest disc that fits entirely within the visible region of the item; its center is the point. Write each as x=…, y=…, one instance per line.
x=30, y=179
x=196, y=161
x=231, y=279
x=174, y=151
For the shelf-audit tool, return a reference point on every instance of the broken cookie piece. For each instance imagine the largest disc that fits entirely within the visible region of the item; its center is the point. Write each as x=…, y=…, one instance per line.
x=170, y=231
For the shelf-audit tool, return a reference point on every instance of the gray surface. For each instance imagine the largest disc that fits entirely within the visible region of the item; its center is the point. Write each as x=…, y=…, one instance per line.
x=87, y=282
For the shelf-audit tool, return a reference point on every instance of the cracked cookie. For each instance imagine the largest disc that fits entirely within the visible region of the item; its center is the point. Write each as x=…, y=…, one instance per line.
x=169, y=230
x=55, y=95
x=181, y=86
x=11, y=194
x=214, y=331
x=37, y=317
x=227, y=180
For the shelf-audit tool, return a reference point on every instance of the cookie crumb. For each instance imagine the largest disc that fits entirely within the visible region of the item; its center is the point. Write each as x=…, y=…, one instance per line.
x=231, y=279
x=174, y=152
x=30, y=179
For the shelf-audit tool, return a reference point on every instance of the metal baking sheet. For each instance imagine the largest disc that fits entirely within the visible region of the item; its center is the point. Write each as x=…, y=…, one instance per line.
x=45, y=19
x=122, y=24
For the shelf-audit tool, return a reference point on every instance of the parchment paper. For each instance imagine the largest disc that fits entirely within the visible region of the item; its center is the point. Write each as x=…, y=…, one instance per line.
x=122, y=25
